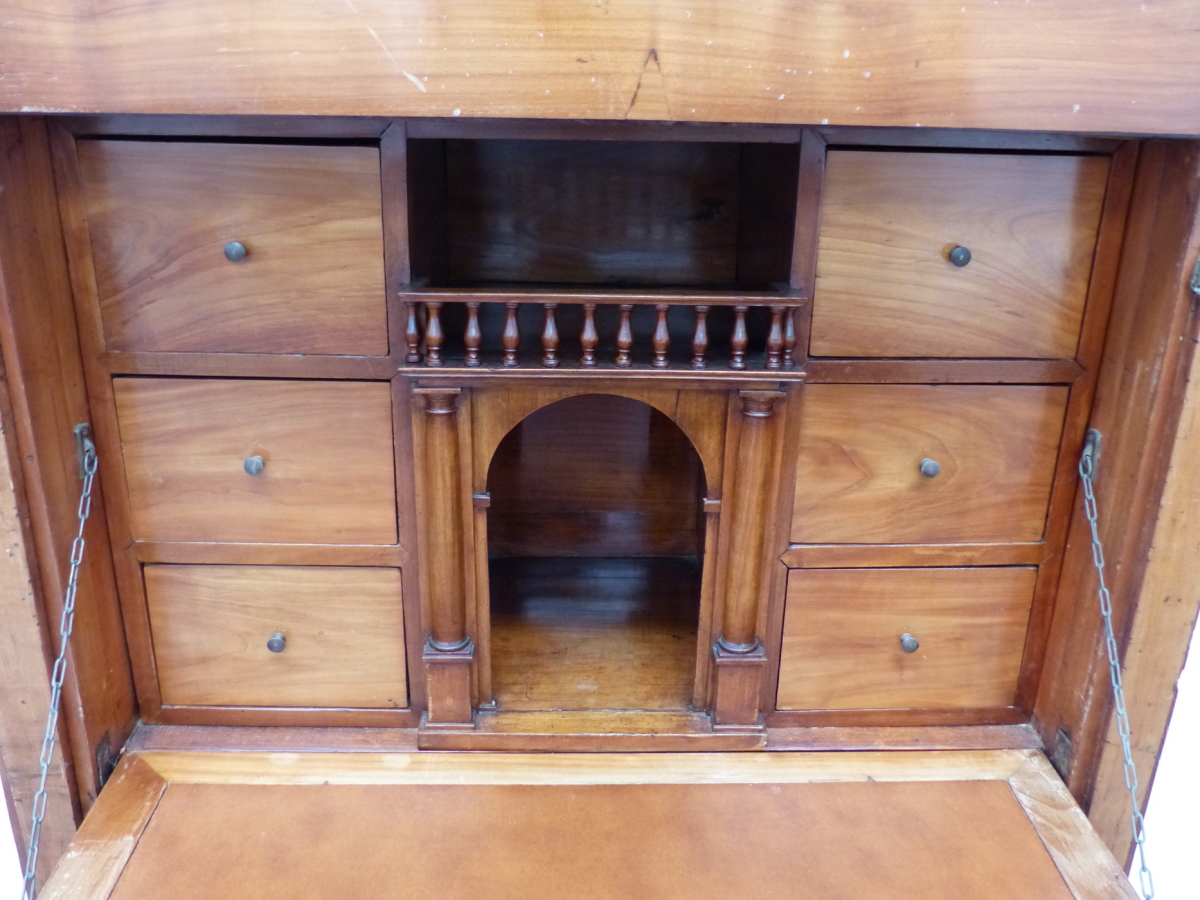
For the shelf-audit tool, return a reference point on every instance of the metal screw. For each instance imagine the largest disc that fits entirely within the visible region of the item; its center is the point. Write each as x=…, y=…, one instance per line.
x=277, y=642
x=960, y=256
x=254, y=465
x=930, y=468
x=235, y=251
x=908, y=643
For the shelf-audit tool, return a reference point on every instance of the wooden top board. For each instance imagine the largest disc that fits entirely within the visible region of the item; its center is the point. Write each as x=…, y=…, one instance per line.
x=1052, y=65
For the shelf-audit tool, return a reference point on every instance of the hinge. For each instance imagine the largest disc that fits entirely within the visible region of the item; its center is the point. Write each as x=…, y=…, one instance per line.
x=1194, y=284
x=83, y=446
x=1091, y=449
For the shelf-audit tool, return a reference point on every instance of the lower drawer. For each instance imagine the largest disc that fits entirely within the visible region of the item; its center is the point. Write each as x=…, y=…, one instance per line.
x=342, y=636
x=843, y=630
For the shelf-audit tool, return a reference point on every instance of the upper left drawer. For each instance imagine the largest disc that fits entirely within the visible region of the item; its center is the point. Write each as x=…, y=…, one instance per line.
x=169, y=223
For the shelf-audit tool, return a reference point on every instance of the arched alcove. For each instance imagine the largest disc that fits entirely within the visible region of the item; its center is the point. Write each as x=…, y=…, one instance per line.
x=595, y=550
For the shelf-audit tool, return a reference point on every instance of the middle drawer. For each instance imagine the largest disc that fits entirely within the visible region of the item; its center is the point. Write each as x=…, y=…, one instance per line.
x=258, y=461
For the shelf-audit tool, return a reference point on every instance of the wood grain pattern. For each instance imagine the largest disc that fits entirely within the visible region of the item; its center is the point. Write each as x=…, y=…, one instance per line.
x=854, y=556
x=329, y=470
x=160, y=214
x=108, y=837
x=841, y=637
x=885, y=285
x=858, y=478
x=344, y=631
x=1105, y=66
x=586, y=841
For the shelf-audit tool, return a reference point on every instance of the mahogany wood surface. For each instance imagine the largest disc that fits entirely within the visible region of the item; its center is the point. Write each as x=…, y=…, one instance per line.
x=842, y=556
x=210, y=553
x=328, y=474
x=1138, y=399
x=1105, y=66
x=45, y=379
x=593, y=633
x=842, y=637
x=160, y=216
x=595, y=475
x=591, y=841
x=886, y=285
x=343, y=631
x=861, y=447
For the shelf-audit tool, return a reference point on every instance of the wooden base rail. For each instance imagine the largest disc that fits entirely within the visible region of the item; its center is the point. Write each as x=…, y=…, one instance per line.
x=425, y=333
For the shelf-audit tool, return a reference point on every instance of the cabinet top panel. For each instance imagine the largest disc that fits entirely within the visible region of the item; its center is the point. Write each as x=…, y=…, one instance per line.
x=1105, y=66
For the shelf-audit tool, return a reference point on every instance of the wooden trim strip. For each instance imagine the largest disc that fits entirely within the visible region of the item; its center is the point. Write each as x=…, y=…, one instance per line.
x=951, y=139
x=583, y=768
x=584, y=130
x=1083, y=861
x=942, y=371
x=888, y=556
x=298, y=127
x=109, y=834
x=636, y=297
x=185, y=553
x=926, y=737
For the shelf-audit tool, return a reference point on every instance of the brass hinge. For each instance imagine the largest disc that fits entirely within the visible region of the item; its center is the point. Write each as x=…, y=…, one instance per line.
x=1194, y=284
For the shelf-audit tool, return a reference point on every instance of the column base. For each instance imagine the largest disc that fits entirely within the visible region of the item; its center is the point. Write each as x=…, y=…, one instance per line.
x=448, y=687
x=737, y=685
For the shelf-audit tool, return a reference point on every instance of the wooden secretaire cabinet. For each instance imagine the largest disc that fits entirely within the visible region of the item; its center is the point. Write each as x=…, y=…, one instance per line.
x=532, y=438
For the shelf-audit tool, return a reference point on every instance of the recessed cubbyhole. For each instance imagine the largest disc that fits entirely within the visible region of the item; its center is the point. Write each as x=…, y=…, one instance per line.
x=595, y=544
x=604, y=213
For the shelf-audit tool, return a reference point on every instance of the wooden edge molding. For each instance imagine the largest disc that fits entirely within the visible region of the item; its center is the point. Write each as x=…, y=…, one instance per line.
x=582, y=768
x=106, y=840
x=853, y=556
x=1085, y=864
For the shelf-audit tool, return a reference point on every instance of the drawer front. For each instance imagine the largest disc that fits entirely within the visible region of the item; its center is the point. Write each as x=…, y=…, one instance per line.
x=327, y=475
x=161, y=214
x=843, y=628
x=862, y=447
x=343, y=636
x=886, y=285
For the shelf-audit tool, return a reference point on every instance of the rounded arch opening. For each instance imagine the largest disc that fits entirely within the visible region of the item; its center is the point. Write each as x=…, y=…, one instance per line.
x=596, y=536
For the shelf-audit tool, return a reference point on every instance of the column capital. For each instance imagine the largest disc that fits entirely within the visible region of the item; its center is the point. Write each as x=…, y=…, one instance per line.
x=439, y=401
x=760, y=404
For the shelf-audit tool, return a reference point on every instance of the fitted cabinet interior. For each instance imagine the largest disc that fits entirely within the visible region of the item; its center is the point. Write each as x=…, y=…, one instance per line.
x=595, y=438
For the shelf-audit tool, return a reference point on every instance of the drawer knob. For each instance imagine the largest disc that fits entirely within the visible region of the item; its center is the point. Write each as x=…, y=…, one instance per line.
x=235, y=251
x=278, y=642
x=908, y=643
x=929, y=468
x=255, y=465
x=960, y=256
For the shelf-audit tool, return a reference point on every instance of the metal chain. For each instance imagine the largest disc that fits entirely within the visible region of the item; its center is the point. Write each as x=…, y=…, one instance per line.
x=66, y=624
x=1087, y=468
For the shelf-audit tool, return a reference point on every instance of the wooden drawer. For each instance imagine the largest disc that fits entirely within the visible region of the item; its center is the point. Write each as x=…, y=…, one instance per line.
x=160, y=216
x=842, y=637
x=343, y=636
x=885, y=282
x=859, y=478
x=328, y=472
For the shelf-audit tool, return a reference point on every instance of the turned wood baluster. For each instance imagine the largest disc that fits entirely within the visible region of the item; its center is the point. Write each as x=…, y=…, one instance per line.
x=473, y=337
x=511, y=338
x=700, y=338
x=624, y=338
x=775, y=339
x=662, y=337
x=588, y=337
x=412, y=335
x=433, y=333
x=789, y=338
x=738, y=342
x=550, y=338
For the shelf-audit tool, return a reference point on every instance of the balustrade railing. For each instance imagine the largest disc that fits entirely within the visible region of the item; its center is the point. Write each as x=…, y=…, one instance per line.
x=618, y=330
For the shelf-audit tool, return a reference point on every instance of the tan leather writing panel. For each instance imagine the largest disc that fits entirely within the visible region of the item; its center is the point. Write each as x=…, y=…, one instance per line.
x=843, y=627
x=885, y=282
x=160, y=216
x=859, y=477
x=328, y=472
x=343, y=632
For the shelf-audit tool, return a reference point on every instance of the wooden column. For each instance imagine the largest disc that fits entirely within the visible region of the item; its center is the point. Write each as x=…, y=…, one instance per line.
x=449, y=651
x=739, y=660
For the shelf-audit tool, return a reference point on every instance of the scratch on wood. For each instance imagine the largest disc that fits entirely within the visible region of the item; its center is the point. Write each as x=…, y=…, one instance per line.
x=649, y=100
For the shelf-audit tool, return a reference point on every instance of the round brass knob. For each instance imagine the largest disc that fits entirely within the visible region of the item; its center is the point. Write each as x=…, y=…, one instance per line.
x=930, y=468
x=960, y=256
x=908, y=643
x=278, y=642
x=235, y=251
x=254, y=465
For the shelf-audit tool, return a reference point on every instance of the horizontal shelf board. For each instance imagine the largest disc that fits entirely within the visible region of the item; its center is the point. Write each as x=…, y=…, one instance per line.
x=599, y=296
